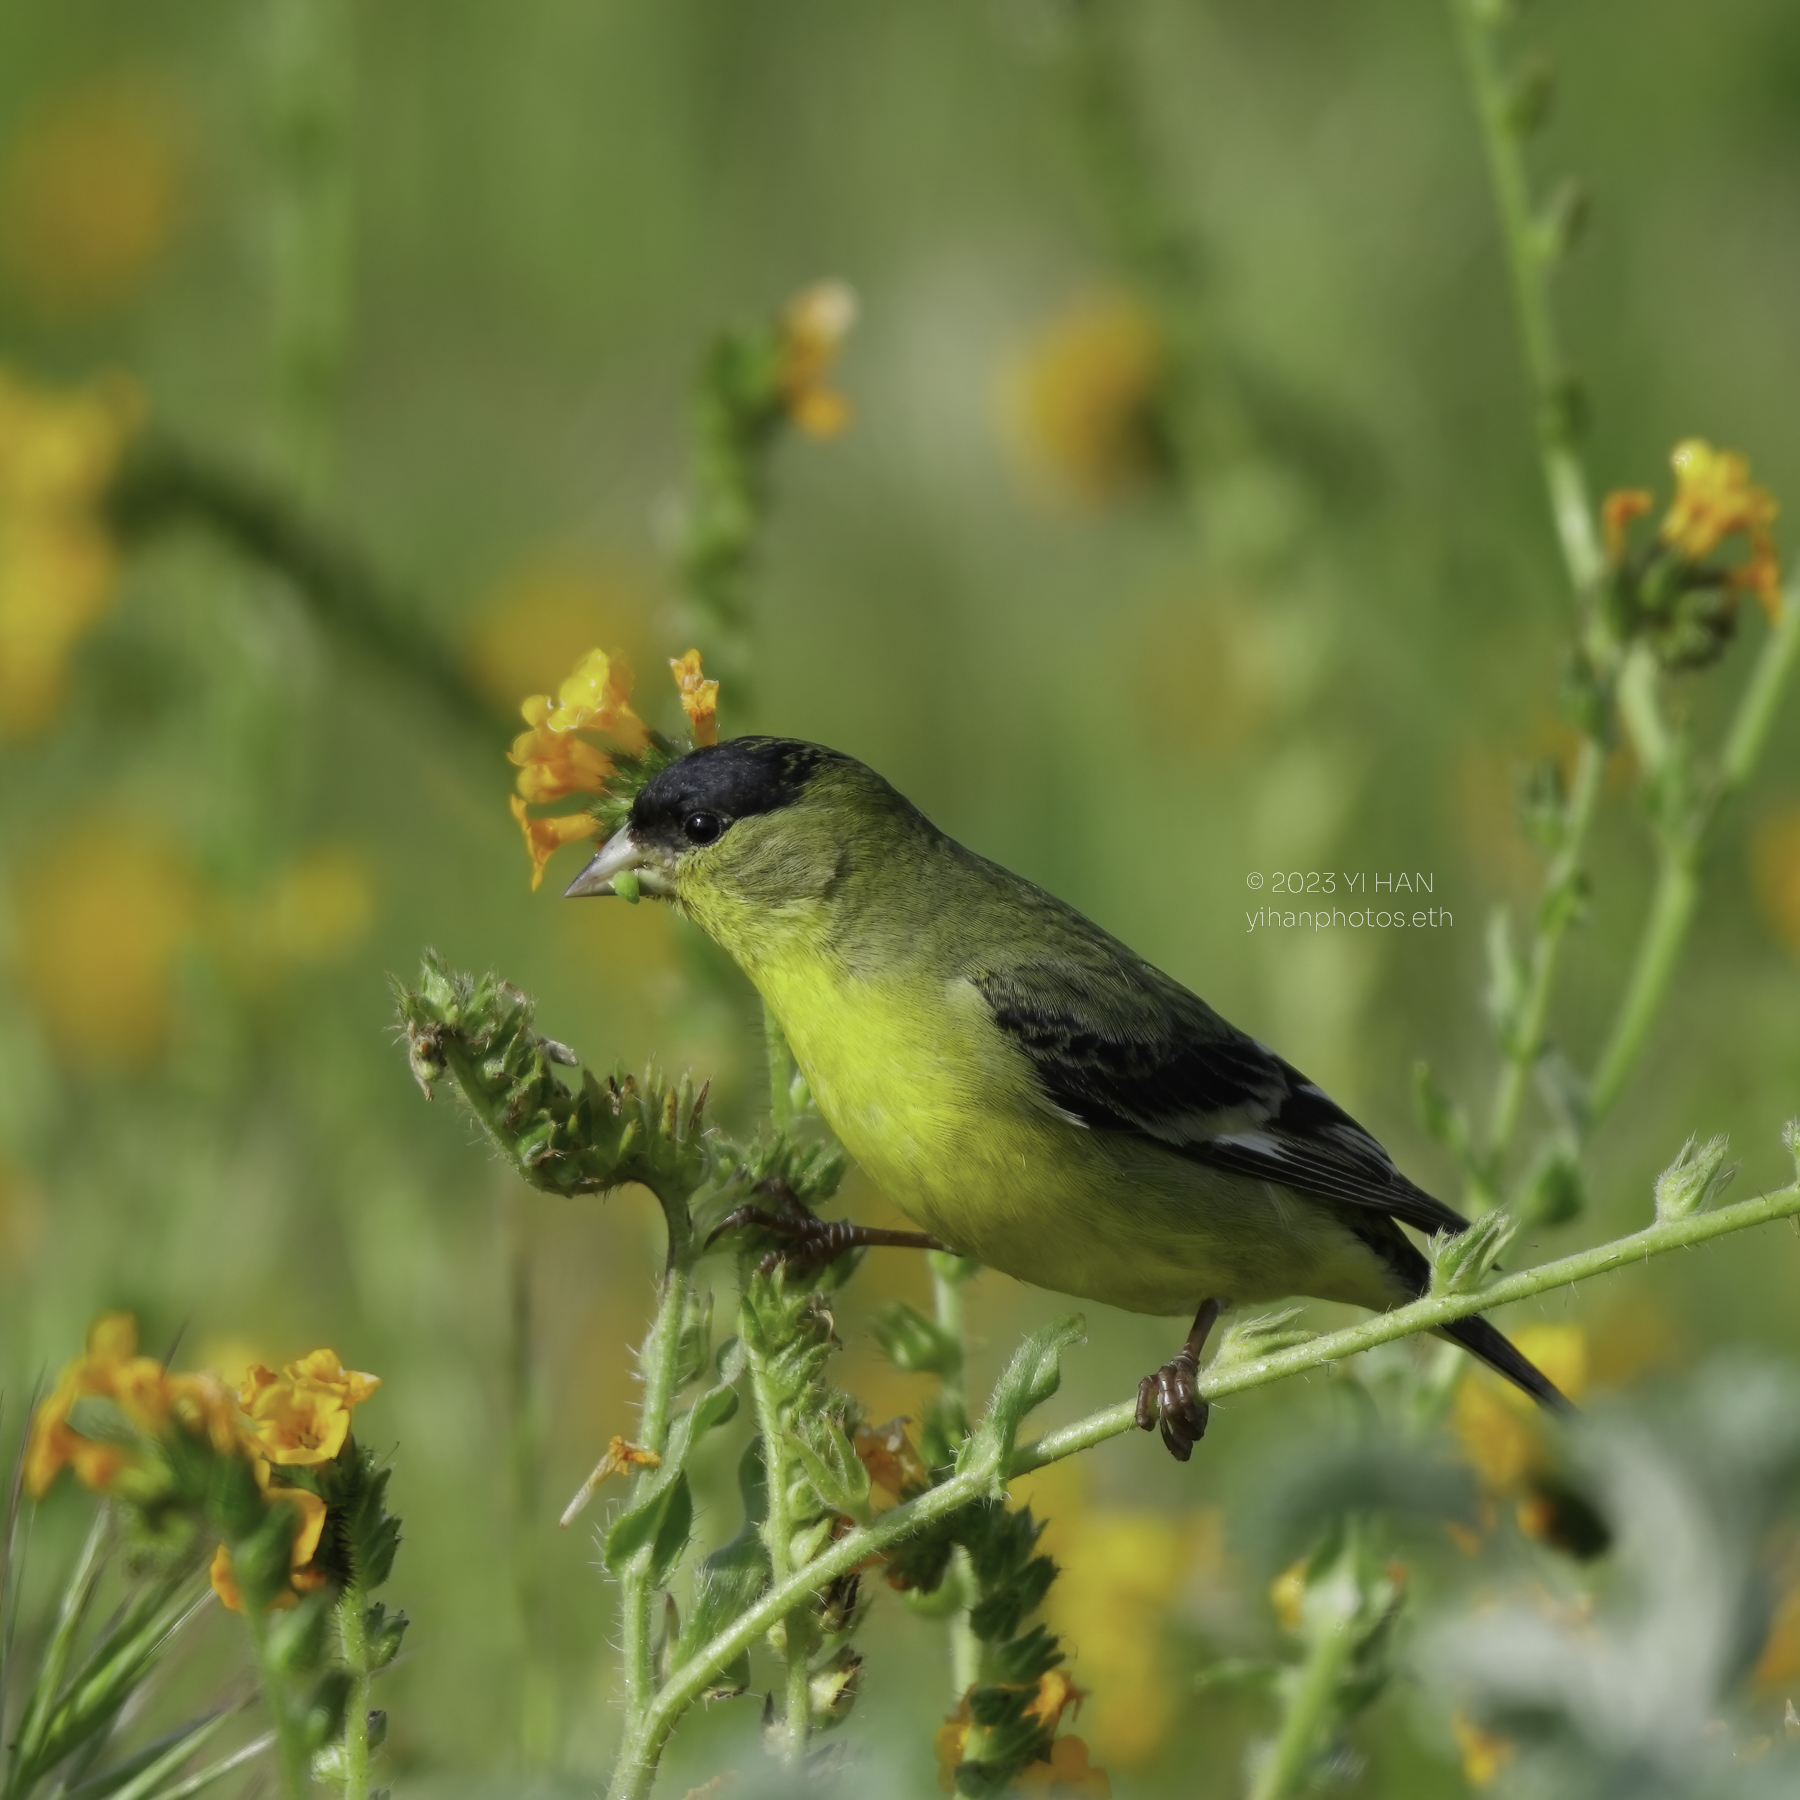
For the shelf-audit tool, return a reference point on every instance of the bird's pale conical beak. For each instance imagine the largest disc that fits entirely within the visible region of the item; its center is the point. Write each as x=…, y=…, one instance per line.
x=620, y=852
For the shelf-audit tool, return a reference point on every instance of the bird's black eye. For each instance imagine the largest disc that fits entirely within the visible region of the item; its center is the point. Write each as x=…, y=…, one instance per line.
x=703, y=827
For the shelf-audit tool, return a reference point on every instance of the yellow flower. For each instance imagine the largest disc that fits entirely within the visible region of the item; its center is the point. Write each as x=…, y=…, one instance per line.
x=1501, y=1429
x=110, y=1368
x=621, y=1454
x=58, y=454
x=1287, y=1594
x=89, y=194
x=1775, y=864
x=1084, y=400
x=317, y=909
x=1484, y=1754
x=1715, y=499
x=302, y=1416
x=814, y=325
x=302, y=1578
x=544, y=837
x=555, y=763
x=104, y=915
x=699, y=697
x=1067, y=1775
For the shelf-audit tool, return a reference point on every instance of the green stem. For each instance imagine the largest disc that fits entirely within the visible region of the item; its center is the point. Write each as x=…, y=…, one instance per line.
x=1555, y=912
x=637, y=1603
x=353, y=1636
x=778, y=1536
x=1528, y=270
x=164, y=486
x=290, y=1744
x=1333, y=1607
x=647, y=1735
x=1678, y=874
x=947, y=1278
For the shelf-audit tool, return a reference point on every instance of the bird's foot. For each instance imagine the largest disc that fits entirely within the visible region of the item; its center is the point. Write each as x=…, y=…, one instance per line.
x=1169, y=1399
x=812, y=1243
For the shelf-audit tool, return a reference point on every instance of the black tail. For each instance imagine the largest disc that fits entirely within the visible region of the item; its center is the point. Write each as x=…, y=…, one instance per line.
x=1480, y=1339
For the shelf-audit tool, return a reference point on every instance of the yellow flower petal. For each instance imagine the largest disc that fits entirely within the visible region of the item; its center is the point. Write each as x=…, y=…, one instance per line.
x=699, y=697
x=544, y=837
x=814, y=325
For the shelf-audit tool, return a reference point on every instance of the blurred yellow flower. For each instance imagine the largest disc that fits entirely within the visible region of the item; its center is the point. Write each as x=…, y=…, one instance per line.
x=59, y=451
x=1484, y=1754
x=317, y=909
x=1083, y=401
x=90, y=193
x=109, y=1368
x=1122, y=1570
x=1775, y=868
x=302, y=1578
x=699, y=697
x=814, y=325
x=1287, y=1595
x=1499, y=1428
x=103, y=916
x=1066, y=1775
x=302, y=1416
x=540, y=621
x=1715, y=499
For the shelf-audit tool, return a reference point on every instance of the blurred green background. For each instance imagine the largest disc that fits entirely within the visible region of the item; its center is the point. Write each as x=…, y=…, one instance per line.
x=1326, y=644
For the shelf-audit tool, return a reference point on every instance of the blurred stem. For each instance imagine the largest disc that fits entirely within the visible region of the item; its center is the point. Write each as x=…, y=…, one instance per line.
x=660, y=1363
x=948, y=1274
x=1556, y=911
x=1529, y=267
x=354, y=1637
x=311, y=217
x=1331, y=1613
x=647, y=1733
x=290, y=1745
x=1678, y=874
x=165, y=485
x=524, y=1496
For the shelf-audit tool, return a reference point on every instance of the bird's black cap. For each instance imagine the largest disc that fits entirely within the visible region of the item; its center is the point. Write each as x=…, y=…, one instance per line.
x=734, y=780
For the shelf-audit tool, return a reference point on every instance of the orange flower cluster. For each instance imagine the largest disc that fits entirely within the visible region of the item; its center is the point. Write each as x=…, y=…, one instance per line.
x=814, y=325
x=58, y=455
x=299, y=1418
x=1066, y=1774
x=556, y=759
x=1714, y=499
x=153, y=1401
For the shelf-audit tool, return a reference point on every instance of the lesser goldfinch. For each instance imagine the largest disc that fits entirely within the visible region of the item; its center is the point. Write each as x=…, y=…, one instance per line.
x=1018, y=1082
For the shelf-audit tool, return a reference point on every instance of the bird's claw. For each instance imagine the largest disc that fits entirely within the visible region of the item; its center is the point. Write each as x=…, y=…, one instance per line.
x=814, y=1243
x=1169, y=1399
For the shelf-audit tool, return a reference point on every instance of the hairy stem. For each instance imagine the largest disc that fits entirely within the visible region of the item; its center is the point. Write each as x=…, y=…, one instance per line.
x=1678, y=872
x=779, y=1537
x=647, y=1735
x=1556, y=912
x=660, y=1362
x=1528, y=269
x=947, y=1280
x=354, y=1637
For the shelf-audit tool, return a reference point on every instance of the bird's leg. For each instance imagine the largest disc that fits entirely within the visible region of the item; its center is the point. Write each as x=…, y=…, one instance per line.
x=813, y=1242
x=1169, y=1398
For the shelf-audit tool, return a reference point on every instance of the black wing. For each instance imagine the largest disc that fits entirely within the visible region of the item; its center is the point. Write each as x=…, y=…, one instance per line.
x=1146, y=1056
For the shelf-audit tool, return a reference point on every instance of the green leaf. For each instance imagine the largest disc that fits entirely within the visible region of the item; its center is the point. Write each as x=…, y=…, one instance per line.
x=1032, y=1376
x=915, y=1343
x=1460, y=1261
x=143, y=1774
x=832, y=1466
x=672, y=1532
